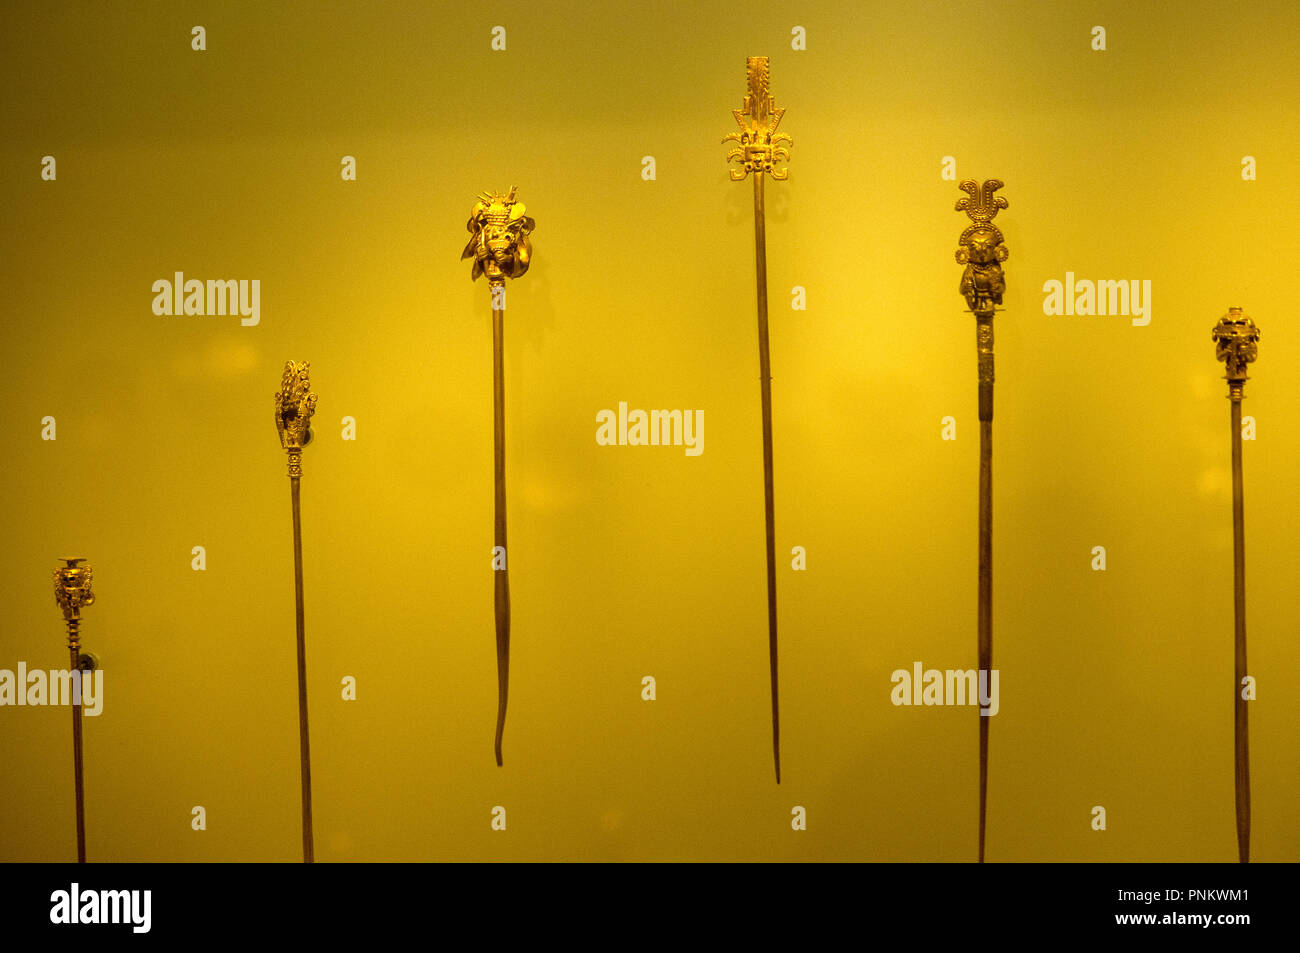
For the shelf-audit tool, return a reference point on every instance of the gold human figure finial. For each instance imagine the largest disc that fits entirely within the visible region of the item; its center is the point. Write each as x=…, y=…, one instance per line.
x=499, y=242
x=1236, y=344
x=758, y=117
x=980, y=247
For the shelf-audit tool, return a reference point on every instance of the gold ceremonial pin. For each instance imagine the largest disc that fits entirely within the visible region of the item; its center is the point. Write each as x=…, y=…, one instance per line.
x=981, y=249
x=294, y=406
x=762, y=151
x=72, y=591
x=500, y=248
x=1236, y=344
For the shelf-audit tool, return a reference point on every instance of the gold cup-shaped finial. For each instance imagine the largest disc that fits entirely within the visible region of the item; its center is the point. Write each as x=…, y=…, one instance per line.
x=72, y=587
x=499, y=243
x=1236, y=344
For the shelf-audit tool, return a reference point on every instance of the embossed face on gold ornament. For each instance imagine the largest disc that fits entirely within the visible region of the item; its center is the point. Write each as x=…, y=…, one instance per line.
x=1236, y=341
x=76, y=582
x=72, y=585
x=1244, y=348
x=498, y=243
x=983, y=246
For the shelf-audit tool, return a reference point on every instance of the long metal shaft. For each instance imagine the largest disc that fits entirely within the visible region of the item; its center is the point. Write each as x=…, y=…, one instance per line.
x=984, y=345
x=74, y=653
x=501, y=593
x=769, y=493
x=1240, y=724
x=304, y=746
x=985, y=604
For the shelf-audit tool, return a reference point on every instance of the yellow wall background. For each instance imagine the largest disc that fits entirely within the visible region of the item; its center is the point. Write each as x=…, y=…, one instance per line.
x=625, y=562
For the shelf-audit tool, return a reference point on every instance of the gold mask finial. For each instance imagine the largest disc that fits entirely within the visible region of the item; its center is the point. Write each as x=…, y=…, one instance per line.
x=499, y=242
x=758, y=117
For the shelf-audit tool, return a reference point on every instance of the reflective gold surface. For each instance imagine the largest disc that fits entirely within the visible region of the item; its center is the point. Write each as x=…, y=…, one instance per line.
x=73, y=588
x=1236, y=346
x=294, y=407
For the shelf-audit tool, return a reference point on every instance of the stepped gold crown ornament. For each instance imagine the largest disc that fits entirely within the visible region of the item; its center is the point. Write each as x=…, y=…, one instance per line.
x=498, y=241
x=758, y=117
x=980, y=247
x=72, y=589
x=1236, y=345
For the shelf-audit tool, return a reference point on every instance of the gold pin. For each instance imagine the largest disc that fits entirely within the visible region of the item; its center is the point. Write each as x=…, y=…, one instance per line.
x=1236, y=344
x=72, y=590
x=981, y=249
x=294, y=406
x=500, y=248
x=762, y=151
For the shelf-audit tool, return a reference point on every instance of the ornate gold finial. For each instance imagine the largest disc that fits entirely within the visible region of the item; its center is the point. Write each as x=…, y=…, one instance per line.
x=1236, y=344
x=499, y=242
x=72, y=589
x=758, y=117
x=294, y=406
x=980, y=246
